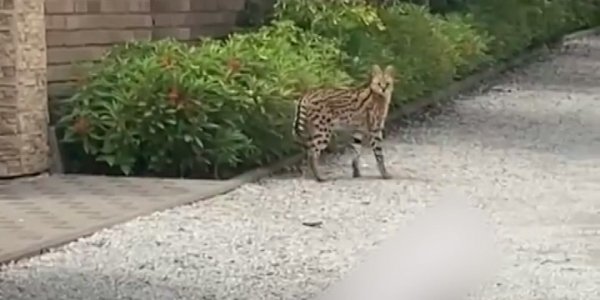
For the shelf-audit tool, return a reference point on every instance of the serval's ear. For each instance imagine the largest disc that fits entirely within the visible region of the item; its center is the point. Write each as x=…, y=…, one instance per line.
x=376, y=70
x=390, y=71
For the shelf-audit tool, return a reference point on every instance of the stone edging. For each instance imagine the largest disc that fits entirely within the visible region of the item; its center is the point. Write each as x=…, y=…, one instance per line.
x=581, y=34
x=449, y=92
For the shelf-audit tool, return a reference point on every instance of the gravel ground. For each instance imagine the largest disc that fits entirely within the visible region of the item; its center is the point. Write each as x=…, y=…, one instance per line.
x=525, y=151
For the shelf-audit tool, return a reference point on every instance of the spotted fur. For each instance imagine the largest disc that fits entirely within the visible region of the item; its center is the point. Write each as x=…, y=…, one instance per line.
x=362, y=110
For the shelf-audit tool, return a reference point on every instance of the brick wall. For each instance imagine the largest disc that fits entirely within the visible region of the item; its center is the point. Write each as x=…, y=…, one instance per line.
x=23, y=99
x=82, y=30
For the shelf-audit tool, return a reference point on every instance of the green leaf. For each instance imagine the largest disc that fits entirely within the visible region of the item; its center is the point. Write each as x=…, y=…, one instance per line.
x=109, y=159
x=126, y=169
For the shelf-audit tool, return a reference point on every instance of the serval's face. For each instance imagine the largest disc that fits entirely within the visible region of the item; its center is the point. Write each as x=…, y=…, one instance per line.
x=382, y=81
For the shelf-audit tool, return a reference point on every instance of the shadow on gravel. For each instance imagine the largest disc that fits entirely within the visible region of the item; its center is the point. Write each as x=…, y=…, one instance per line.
x=93, y=285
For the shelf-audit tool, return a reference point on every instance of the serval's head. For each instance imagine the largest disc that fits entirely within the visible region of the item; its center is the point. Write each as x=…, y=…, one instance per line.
x=382, y=81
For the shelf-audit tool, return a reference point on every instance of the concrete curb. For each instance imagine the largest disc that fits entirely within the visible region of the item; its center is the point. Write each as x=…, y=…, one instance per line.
x=581, y=34
x=453, y=90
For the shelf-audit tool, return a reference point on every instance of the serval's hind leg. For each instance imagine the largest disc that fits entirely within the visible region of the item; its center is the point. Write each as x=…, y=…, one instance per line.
x=357, y=139
x=316, y=145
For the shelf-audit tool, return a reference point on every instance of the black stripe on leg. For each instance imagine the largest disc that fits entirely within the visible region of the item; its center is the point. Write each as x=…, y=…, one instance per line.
x=375, y=143
x=376, y=131
x=378, y=152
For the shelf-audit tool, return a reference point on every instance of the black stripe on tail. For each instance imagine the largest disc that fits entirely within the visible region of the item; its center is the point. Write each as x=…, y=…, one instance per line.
x=300, y=121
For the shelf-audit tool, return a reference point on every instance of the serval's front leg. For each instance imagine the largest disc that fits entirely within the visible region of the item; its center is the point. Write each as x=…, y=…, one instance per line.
x=376, y=139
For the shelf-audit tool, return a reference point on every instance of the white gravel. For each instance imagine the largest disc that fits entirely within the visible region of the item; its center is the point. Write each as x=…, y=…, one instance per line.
x=527, y=152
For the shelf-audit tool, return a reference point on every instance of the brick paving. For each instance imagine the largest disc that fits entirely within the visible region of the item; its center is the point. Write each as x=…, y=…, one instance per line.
x=42, y=212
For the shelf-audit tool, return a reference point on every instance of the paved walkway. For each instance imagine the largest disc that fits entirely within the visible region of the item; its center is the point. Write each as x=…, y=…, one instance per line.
x=41, y=212
x=527, y=152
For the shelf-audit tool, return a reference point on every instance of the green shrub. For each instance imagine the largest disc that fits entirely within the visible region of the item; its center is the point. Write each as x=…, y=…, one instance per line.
x=423, y=56
x=506, y=22
x=428, y=51
x=355, y=24
x=583, y=13
x=213, y=109
x=330, y=18
x=171, y=109
x=548, y=20
x=471, y=45
x=517, y=24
